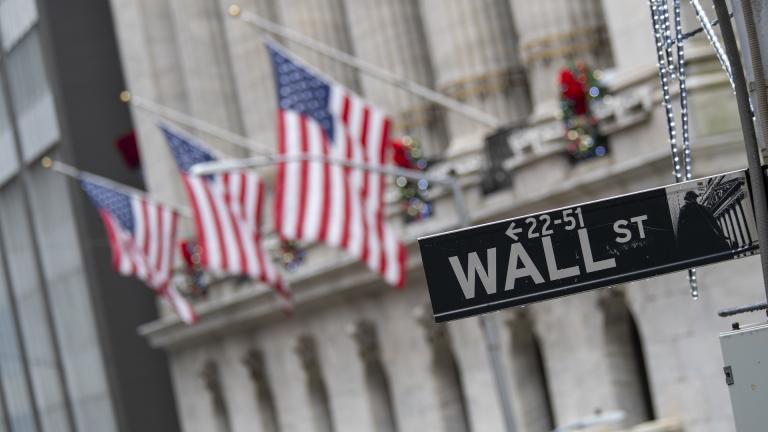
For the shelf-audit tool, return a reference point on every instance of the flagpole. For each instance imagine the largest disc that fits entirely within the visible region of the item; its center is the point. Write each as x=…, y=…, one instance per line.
x=70, y=171
x=381, y=74
x=194, y=123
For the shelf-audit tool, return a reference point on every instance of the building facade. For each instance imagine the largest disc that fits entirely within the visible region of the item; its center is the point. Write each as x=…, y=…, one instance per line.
x=358, y=355
x=67, y=322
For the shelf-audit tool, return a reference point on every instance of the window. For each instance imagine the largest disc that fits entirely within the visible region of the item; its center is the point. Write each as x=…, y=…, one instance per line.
x=16, y=17
x=9, y=163
x=30, y=301
x=13, y=374
x=31, y=96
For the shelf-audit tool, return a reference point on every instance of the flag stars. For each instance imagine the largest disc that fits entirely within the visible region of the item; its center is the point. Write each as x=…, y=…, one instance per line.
x=299, y=90
x=116, y=203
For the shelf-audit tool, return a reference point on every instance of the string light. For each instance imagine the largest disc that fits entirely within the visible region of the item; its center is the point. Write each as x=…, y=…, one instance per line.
x=658, y=33
x=687, y=162
x=667, y=70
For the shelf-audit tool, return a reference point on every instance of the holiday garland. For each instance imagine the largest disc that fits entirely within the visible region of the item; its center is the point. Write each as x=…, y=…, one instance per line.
x=414, y=204
x=580, y=90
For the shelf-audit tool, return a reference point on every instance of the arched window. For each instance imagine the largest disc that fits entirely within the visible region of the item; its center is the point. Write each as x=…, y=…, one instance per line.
x=626, y=359
x=450, y=388
x=535, y=412
x=254, y=361
x=376, y=379
x=210, y=376
x=318, y=393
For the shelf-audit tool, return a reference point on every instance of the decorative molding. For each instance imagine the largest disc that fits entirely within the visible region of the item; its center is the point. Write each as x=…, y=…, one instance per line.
x=365, y=335
x=253, y=360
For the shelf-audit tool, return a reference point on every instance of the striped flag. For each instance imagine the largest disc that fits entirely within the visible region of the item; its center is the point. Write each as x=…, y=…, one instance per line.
x=319, y=201
x=227, y=210
x=142, y=237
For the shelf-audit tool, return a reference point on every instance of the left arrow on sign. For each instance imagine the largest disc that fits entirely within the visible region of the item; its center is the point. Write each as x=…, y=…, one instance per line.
x=512, y=231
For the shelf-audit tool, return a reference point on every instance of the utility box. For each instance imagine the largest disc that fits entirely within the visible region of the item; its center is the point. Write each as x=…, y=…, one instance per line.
x=745, y=352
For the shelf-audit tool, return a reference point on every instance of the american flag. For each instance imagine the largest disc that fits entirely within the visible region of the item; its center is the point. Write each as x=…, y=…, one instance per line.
x=227, y=210
x=142, y=237
x=320, y=201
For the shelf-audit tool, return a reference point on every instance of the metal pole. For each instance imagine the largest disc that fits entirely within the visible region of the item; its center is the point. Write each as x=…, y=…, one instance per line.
x=214, y=167
x=368, y=68
x=195, y=123
x=756, y=177
x=710, y=33
x=70, y=171
x=761, y=97
x=488, y=325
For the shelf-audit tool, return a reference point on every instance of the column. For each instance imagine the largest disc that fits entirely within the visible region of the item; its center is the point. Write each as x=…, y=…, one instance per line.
x=206, y=67
x=391, y=35
x=626, y=23
x=553, y=34
x=377, y=385
x=579, y=352
x=253, y=360
x=474, y=55
x=252, y=70
x=324, y=21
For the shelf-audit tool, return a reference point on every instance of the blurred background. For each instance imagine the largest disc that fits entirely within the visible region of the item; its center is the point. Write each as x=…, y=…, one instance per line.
x=574, y=90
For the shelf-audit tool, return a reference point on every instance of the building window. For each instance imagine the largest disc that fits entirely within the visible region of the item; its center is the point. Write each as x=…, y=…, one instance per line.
x=254, y=362
x=14, y=376
x=318, y=392
x=9, y=161
x=376, y=379
x=530, y=377
x=31, y=96
x=210, y=376
x=626, y=359
x=16, y=18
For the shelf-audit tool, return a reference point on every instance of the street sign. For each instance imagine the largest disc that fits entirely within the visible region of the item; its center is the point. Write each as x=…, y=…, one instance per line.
x=592, y=245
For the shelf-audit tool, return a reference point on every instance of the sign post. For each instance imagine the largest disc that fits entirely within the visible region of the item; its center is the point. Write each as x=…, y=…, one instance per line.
x=597, y=244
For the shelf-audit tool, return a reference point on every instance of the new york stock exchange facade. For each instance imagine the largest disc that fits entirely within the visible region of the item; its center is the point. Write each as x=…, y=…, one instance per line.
x=360, y=355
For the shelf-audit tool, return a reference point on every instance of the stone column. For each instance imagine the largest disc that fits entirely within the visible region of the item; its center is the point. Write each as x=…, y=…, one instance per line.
x=252, y=69
x=554, y=33
x=473, y=46
x=588, y=355
x=391, y=35
x=206, y=67
x=324, y=21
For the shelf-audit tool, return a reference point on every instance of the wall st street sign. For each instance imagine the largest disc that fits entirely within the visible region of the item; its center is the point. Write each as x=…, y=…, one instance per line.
x=597, y=244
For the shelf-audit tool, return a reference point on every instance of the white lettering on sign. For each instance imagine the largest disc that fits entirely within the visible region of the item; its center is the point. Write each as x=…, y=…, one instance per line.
x=620, y=228
x=521, y=265
x=517, y=252
x=639, y=221
x=625, y=235
x=589, y=262
x=554, y=272
x=474, y=265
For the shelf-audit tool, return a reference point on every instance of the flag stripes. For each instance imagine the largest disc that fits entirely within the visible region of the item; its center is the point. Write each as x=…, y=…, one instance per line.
x=227, y=211
x=142, y=237
x=322, y=202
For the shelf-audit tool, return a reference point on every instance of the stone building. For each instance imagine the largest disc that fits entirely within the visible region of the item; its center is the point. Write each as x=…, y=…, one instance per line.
x=359, y=355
